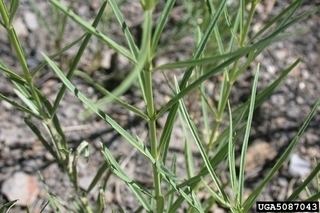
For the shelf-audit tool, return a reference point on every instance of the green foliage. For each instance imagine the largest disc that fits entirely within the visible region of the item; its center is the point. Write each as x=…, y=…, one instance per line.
x=225, y=27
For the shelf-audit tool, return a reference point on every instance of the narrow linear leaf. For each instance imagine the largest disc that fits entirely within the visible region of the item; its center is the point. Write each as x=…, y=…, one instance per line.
x=13, y=9
x=102, y=169
x=88, y=103
x=134, y=51
x=87, y=27
x=117, y=12
x=27, y=99
x=304, y=184
x=138, y=145
x=137, y=70
x=57, y=54
x=258, y=46
x=201, y=148
x=246, y=137
x=241, y=112
x=122, y=103
x=165, y=137
x=44, y=142
x=204, y=61
x=117, y=170
x=161, y=24
x=18, y=106
x=253, y=196
x=288, y=11
x=174, y=170
x=231, y=153
x=11, y=75
x=314, y=197
x=77, y=58
x=214, y=195
x=5, y=208
x=195, y=84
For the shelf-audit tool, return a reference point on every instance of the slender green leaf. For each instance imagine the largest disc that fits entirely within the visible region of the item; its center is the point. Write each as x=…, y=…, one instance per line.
x=88, y=103
x=294, y=195
x=240, y=113
x=102, y=169
x=101, y=89
x=246, y=137
x=101, y=201
x=88, y=28
x=161, y=24
x=189, y=159
x=314, y=197
x=129, y=80
x=267, y=92
x=201, y=148
x=288, y=11
x=135, y=52
x=13, y=9
x=19, y=106
x=27, y=99
x=231, y=153
x=214, y=195
x=44, y=142
x=174, y=170
x=206, y=60
x=144, y=55
x=11, y=75
x=77, y=58
x=128, y=35
x=5, y=208
x=195, y=84
x=58, y=53
x=165, y=137
x=253, y=196
x=134, y=187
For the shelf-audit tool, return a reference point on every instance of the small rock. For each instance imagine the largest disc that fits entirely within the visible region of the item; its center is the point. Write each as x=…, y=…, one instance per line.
x=298, y=167
x=85, y=181
x=22, y=187
x=258, y=153
x=95, y=4
x=106, y=59
x=109, y=196
x=123, y=62
x=6, y=105
x=31, y=21
x=162, y=60
x=281, y=54
x=20, y=27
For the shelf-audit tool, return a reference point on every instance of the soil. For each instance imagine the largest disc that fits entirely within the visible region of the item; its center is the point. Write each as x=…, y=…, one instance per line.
x=274, y=124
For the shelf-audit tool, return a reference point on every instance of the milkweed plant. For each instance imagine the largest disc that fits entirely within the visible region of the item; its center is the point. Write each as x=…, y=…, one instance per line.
x=223, y=126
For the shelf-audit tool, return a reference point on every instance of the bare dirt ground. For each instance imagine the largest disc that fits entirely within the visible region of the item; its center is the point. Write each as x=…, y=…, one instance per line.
x=275, y=122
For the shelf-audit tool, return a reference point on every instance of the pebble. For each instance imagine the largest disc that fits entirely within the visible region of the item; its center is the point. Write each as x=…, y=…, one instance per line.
x=299, y=167
x=31, y=21
x=258, y=153
x=106, y=59
x=20, y=27
x=22, y=187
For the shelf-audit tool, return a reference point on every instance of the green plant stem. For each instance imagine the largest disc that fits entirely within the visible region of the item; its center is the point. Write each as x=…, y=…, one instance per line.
x=77, y=58
x=14, y=41
x=153, y=140
x=56, y=141
x=226, y=89
x=151, y=112
x=229, y=80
